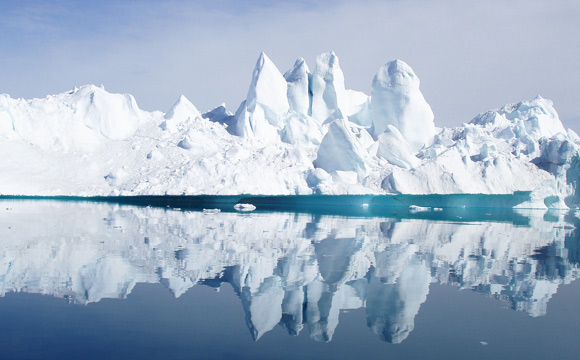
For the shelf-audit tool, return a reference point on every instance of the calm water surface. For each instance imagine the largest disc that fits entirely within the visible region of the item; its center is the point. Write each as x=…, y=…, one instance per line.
x=96, y=280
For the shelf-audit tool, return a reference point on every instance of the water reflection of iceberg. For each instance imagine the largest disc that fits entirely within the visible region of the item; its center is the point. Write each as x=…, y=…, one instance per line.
x=294, y=270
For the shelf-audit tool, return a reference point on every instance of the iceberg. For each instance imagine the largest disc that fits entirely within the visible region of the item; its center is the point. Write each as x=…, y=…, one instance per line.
x=244, y=207
x=297, y=133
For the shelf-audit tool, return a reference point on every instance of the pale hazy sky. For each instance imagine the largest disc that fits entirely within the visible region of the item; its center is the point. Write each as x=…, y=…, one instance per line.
x=471, y=56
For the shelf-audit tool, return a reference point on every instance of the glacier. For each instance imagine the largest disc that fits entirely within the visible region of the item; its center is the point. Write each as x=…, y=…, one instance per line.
x=298, y=133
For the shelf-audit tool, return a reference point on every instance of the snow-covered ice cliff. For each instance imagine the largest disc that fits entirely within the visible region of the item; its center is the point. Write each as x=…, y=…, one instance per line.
x=301, y=132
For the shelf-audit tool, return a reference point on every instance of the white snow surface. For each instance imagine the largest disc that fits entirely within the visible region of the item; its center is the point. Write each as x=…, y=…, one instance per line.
x=297, y=133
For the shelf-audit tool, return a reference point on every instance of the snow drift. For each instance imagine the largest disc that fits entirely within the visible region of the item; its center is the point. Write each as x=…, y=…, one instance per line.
x=301, y=132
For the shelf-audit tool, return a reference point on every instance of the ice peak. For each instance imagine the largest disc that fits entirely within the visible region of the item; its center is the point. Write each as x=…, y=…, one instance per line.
x=91, y=87
x=182, y=98
x=263, y=62
x=267, y=85
x=298, y=71
x=396, y=100
x=396, y=74
x=327, y=65
x=182, y=108
x=328, y=91
x=219, y=114
x=182, y=111
x=87, y=90
x=259, y=115
x=183, y=101
x=298, y=79
x=536, y=117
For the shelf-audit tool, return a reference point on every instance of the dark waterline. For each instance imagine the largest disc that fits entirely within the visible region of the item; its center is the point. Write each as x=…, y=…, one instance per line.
x=463, y=207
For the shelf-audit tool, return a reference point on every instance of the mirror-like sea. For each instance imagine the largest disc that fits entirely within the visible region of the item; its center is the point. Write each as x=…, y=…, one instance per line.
x=98, y=280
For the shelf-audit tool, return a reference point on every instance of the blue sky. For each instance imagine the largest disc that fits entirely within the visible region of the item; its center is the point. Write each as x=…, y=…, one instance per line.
x=471, y=56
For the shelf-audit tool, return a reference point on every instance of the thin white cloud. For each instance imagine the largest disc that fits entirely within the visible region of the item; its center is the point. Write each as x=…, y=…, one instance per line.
x=29, y=18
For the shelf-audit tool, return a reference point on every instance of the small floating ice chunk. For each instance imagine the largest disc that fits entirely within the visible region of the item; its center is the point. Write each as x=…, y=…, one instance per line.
x=483, y=343
x=244, y=207
x=211, y=211
x=415, y=209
